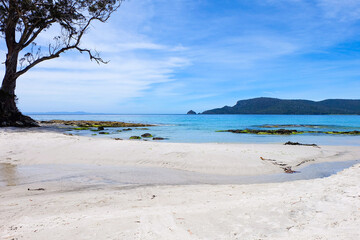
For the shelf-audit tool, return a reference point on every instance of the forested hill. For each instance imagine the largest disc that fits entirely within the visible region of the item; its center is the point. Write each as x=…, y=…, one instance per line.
x=278, y=106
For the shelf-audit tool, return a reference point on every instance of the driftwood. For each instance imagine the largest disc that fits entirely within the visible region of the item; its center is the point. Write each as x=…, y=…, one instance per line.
x=287, y=169
x=301, y=144
x=36, y=189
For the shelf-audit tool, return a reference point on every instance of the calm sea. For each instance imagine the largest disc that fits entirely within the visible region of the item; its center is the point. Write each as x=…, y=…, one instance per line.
x=202, y=128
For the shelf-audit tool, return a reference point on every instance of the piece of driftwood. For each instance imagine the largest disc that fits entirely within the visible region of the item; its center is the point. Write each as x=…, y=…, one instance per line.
x=300, y=144
x=36, y=189
x=287, y=169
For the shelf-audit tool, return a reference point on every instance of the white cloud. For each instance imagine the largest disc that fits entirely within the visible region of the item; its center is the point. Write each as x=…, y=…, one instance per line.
x=65, y=81
x=342, y=10
x=72, y=82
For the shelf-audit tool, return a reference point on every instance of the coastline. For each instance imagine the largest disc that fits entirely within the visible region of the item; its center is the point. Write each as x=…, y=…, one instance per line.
x=305, y=209
x=41, y=146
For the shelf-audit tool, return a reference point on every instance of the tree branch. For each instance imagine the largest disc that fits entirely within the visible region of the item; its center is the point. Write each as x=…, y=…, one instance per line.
x=57, y=53
x=4, y=4
x=28, y=40
x=92, y=56
x=73, y=23
x=52, y=56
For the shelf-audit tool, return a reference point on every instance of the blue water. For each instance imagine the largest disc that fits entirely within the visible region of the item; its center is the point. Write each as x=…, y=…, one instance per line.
x=93, y=175
x=202, y=128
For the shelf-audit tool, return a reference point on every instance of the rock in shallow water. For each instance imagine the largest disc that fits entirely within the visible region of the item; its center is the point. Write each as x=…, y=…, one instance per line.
x=159, y=138
x=146, y=135
x=135, y=137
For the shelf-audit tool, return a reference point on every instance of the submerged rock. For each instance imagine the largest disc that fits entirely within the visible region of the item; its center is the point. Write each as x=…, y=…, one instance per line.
x=135, y=137
x=159, y=138
x=344, y=133
x=256, y=131
x=81, y=128
x=146, y=135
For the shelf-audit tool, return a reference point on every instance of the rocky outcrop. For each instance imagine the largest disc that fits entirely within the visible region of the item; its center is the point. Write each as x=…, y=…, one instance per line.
x=283, y=106
x=135, y=137
x=159, y=138
x=262, y=131
x=286, y=132
x=146, y=135
x=191, y=112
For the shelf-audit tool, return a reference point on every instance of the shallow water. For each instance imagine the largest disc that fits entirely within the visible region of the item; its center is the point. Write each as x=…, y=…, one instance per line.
x=202, y=128
x=90, y=175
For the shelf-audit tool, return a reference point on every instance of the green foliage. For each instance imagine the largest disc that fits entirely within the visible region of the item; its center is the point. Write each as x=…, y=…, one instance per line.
x=25, y=20
x=38, y=14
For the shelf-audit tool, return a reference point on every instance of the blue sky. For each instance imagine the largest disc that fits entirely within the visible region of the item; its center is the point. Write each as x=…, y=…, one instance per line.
x=173, y=56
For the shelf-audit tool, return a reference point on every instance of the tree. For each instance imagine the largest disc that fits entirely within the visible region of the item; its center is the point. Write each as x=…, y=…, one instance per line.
x=22, y=21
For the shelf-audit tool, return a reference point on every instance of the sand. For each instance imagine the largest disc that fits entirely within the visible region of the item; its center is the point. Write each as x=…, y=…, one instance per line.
x=326, y=208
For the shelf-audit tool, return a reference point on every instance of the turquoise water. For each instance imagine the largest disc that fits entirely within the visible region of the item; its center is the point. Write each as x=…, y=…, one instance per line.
x=202, y=128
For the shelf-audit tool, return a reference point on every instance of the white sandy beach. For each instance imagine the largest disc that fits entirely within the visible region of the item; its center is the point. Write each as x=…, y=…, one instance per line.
x=327, y=208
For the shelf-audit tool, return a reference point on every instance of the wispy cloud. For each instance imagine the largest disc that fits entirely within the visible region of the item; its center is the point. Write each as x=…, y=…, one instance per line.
x=174, y=55
x=341, y=10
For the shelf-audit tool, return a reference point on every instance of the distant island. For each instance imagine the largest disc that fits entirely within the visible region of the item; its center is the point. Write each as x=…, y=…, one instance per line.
x=191, y=112
x=265, y=105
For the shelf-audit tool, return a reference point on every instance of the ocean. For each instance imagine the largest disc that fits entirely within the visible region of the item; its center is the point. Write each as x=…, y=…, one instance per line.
x=203, y=128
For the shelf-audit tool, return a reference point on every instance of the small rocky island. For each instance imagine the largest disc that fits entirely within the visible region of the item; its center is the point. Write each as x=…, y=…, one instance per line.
x=191, y=112
x=265, y=105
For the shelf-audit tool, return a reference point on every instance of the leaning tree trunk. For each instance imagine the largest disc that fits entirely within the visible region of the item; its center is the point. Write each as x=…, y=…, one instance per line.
x=9, y=113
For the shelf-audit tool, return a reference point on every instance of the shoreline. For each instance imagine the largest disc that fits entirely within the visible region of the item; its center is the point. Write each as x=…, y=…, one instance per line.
x=41, y=175
x=47, y=147
x=321, y=208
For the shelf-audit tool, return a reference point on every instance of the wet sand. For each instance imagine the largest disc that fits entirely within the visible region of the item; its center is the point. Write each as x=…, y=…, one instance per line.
x=93, y=175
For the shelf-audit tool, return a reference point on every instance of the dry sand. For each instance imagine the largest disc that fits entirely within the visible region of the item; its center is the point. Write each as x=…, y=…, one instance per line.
x=327, y=208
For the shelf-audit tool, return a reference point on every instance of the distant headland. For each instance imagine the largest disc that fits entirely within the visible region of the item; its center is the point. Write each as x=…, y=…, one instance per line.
x=265, y=105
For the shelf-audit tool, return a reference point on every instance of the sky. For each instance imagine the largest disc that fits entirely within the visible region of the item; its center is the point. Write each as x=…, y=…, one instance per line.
x=170, y=56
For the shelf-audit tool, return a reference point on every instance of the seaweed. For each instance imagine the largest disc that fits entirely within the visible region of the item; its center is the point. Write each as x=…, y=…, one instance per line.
x=81, y=128
x=135, y=137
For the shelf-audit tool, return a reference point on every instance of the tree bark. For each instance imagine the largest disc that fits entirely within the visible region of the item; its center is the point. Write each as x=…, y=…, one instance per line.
x=9, y=113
